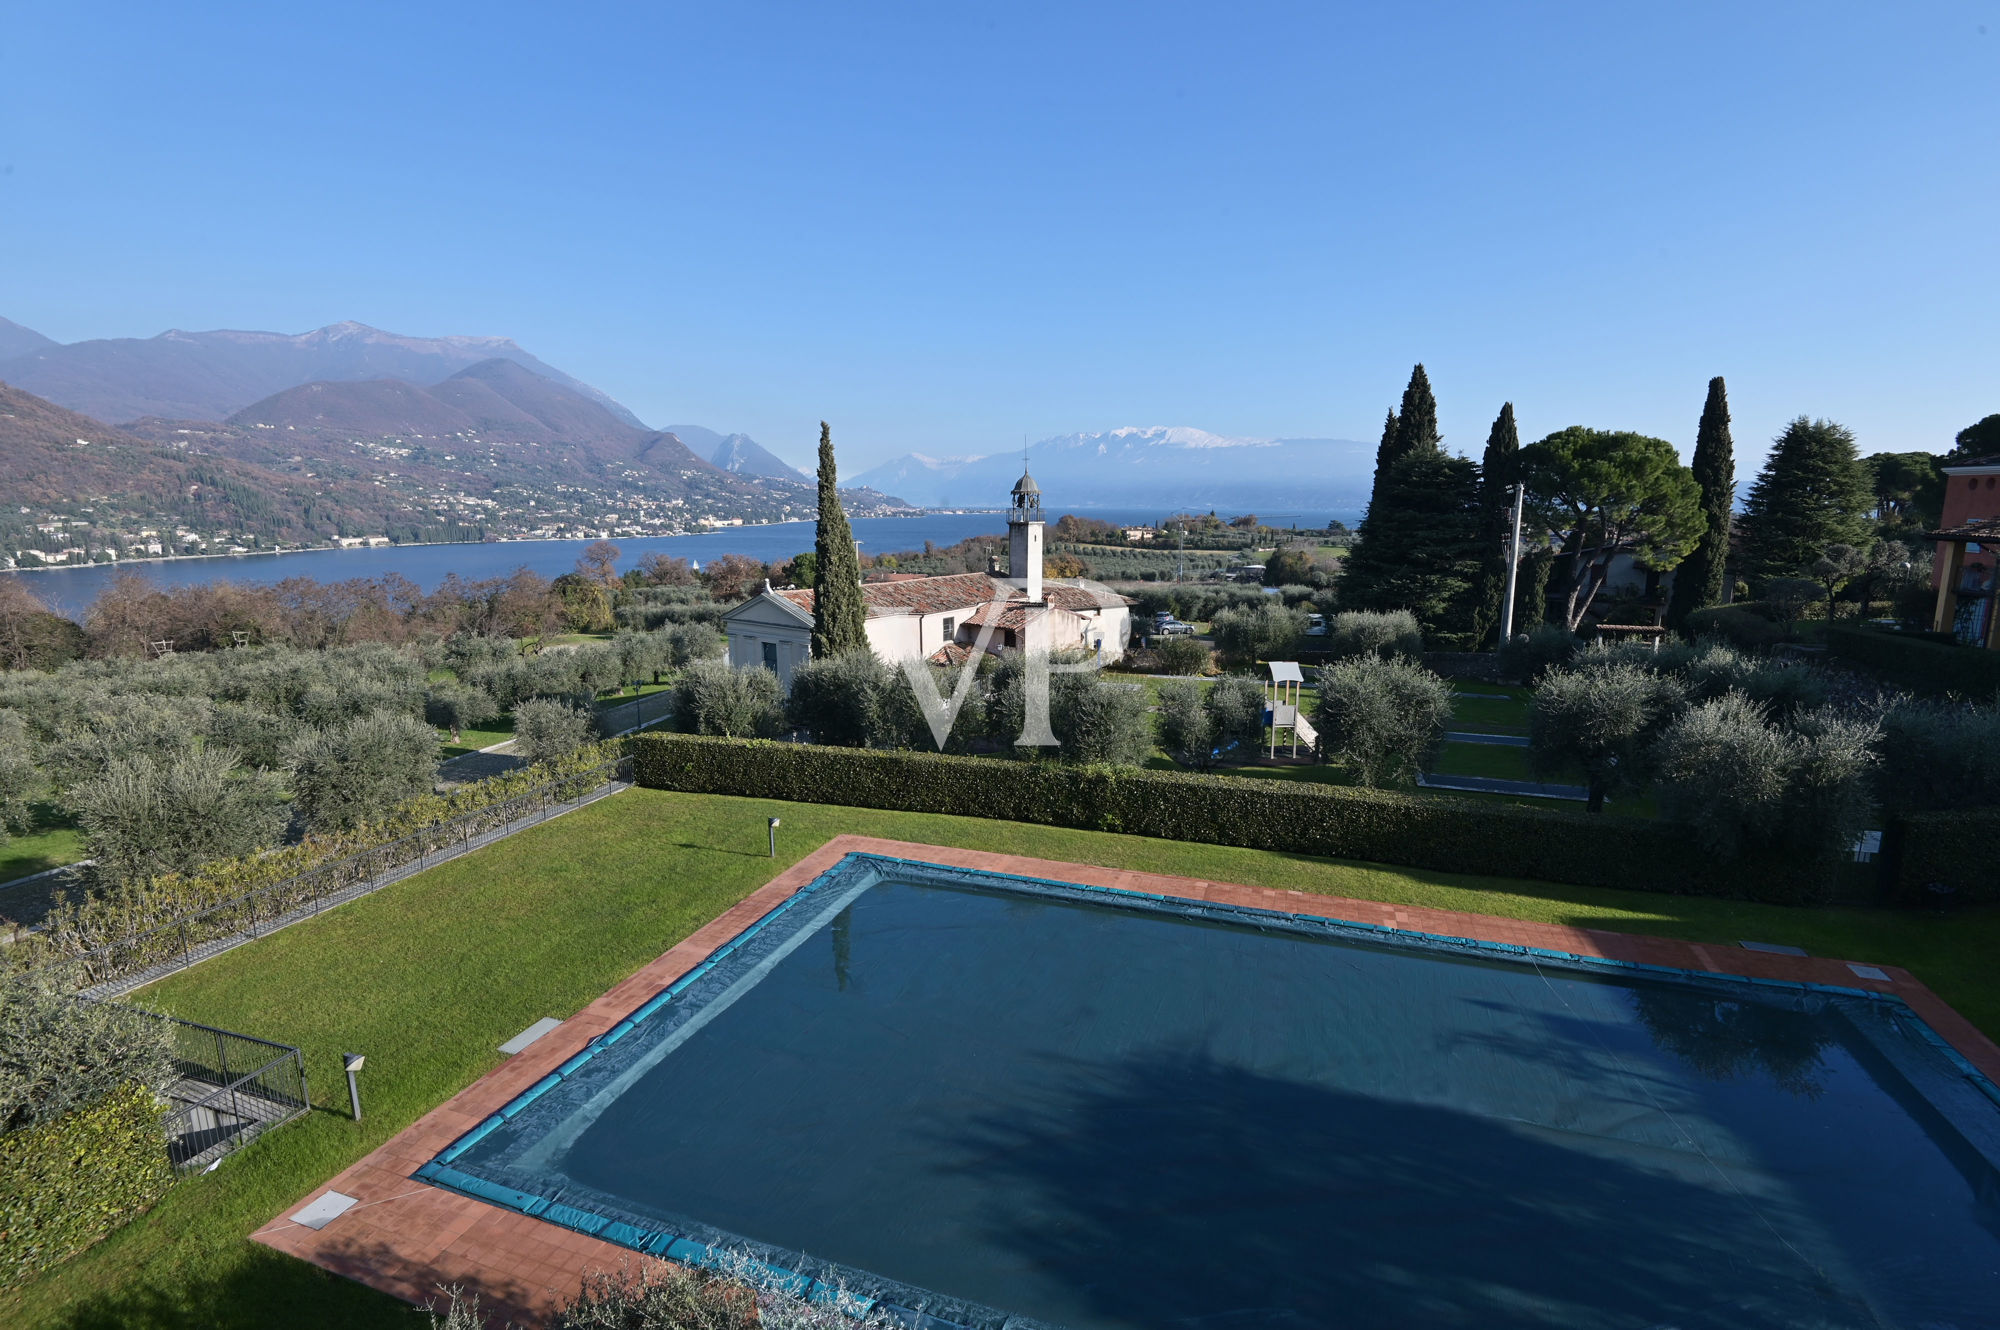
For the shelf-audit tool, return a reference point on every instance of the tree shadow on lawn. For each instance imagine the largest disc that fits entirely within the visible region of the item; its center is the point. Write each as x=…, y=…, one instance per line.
x=1174, y=1191
x=261, y=1290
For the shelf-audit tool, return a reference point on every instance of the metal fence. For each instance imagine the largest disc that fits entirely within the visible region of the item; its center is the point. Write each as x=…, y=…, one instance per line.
x=147, y=954
x=228, y=1088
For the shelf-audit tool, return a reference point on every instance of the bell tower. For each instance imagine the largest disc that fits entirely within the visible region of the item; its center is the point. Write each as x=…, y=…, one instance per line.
x=1024, y=536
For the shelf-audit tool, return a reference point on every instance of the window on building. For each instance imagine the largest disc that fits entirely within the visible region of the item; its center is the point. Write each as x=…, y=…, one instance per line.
x=771, y=656
x=950, y=627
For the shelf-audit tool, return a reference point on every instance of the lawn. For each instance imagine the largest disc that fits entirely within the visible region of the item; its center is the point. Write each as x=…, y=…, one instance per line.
x=427, y=977
x=1490, y=715
x=52, y=841
x=501, y=729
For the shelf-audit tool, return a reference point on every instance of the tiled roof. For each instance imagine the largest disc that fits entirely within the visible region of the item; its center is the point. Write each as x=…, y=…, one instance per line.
x=1981, y=529
x=958, y=591
x=952, y=653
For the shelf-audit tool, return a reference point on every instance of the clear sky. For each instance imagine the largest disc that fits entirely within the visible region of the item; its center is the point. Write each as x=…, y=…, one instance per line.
x=943, y=226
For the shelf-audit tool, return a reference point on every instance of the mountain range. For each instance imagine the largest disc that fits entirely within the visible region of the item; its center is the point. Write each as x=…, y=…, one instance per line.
x=455, y=435
x=1174, y=468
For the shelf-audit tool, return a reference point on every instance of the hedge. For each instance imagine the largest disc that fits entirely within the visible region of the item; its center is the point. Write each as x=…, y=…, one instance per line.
x=1917, y=663
x=66, y=1183
x=1379, y=826
x=1959, y=851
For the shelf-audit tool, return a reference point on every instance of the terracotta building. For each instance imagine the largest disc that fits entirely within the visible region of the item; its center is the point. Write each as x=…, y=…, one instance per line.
x=1968, y=542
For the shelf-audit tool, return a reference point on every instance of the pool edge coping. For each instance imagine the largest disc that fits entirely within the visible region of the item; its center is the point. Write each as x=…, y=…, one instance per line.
x=407, y=1236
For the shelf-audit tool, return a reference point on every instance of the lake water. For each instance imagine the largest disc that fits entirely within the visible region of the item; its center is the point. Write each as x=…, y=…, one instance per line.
x=70, y=590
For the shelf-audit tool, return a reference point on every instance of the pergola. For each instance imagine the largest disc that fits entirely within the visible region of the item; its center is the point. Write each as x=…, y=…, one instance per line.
x=1281, y=700
x=1965, y=590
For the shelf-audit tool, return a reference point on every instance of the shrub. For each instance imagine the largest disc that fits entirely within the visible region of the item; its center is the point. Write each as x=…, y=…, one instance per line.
x=711, y=697
x=1201, y=726
x=1599, y=718
x=1745, y=786
x=838, y=700
x=546, y=728
x=458, y=707
x=1534, y=653
x=1414, y=830
x=1938, y=756
x=1181, y=655
x=1789, y=596
x=67, y=1182
x=1384, y=718
x=902, y=721
x=1263, y=631
x=146, y=817
x=1372, y=633
x=59, y=1053
x=20, y=779
x=1098, y=720
x=357, y=773
x=1947, y=852
x=1916, y=663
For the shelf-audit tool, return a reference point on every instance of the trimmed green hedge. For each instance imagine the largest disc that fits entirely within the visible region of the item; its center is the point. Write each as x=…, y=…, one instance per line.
x=1959, y=850
x=66, y=1183
x=1415, y=831
x=1916, y=663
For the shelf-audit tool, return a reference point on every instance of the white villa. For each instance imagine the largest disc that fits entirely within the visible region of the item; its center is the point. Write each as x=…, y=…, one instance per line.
x=941, y=618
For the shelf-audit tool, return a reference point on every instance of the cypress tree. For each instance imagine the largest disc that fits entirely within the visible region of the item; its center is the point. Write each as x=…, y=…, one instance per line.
x=839, y=613
x=1698, y=582
x=1497, y=475
x=1385, y=452
x=1417, y=422
x=1813, y=492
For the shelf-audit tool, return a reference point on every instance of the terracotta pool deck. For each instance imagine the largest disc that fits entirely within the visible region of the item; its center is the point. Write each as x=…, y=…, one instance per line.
x=407, y=1238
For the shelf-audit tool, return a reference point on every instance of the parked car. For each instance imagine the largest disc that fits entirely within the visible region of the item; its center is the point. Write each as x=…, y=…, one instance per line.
x=1175, y=628
x=1315, y=625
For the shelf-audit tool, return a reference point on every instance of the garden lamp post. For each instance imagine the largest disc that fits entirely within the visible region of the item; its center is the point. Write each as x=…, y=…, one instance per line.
x=351, y=1063
x=773, y=828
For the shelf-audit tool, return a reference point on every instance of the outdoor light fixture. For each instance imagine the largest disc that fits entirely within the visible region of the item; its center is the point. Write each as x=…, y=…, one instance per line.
x=352, y=1063
x=774, y=836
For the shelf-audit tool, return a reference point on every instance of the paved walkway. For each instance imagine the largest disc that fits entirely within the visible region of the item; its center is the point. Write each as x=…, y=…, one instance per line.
x=1469, y=737
x=406, y=1237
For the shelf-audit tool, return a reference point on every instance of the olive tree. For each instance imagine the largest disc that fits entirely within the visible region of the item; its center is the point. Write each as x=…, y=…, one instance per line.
x=20, y=777
x=1599, y=719
x=360, y=772
x=59, y=1052
x=1385, y=718
x=713, y=698
x=1199, y=727
x=1744, y=784
x=458, y=707
x=546, y=728
x=1374, y=633
x=147, y=816
x=1264, y=631
x=838, y=700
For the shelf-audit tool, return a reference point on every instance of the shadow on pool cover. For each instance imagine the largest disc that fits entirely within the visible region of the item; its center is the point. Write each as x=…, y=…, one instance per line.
x=967, y=1093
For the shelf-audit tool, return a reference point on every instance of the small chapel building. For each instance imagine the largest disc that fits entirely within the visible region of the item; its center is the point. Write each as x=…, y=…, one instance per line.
x=946, y=619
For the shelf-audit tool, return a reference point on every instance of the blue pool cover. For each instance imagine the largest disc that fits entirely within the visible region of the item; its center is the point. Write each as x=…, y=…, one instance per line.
x=991, y=1101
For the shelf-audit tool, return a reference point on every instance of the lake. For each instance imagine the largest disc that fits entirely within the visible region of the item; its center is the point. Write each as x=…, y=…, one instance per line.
x=70, y=590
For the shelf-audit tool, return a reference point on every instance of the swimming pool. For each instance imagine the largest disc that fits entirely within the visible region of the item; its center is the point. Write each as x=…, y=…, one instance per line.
x=1005, y=1101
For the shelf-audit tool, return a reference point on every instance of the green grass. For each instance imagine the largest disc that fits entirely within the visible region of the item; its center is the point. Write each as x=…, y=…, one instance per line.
x=501, y=729
x=1486, y=715
x=1495, y=760
x=430, y=975
x=53, y=840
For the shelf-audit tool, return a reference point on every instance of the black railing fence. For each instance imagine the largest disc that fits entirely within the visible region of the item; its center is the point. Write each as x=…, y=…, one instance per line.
x=227, y=1088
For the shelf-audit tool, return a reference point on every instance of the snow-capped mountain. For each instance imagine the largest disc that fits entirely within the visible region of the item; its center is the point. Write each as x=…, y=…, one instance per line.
x=1167, y=466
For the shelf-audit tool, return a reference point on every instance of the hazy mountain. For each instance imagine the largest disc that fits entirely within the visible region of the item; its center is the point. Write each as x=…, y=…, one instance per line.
x=18, y=341
x=746, y=457
x=57, y=460
x=212, y=375
x=1171, y=468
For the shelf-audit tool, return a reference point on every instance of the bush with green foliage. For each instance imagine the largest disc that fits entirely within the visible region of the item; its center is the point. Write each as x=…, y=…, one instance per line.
x=1181, y=655
x=1918, y=663
x=1263, y=631
x=546, y=728
x=1600, y=719
x=20, y=777
x=1374, y=633
x=839, y=700
x=1744, y=785
x=1787, y=598
x=1444, y=833
x=1384, y=717
x=1745, y=625
x=458, y=707
x=712, y=697
x=1101, y=720
x=358, y=772
x=1939, y=756
x=59, y=1053
x=67, y=1182
x=1200, y=727
x=146, y=817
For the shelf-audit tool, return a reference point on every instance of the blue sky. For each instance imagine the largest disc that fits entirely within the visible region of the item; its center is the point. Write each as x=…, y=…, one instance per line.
x=946, y=226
